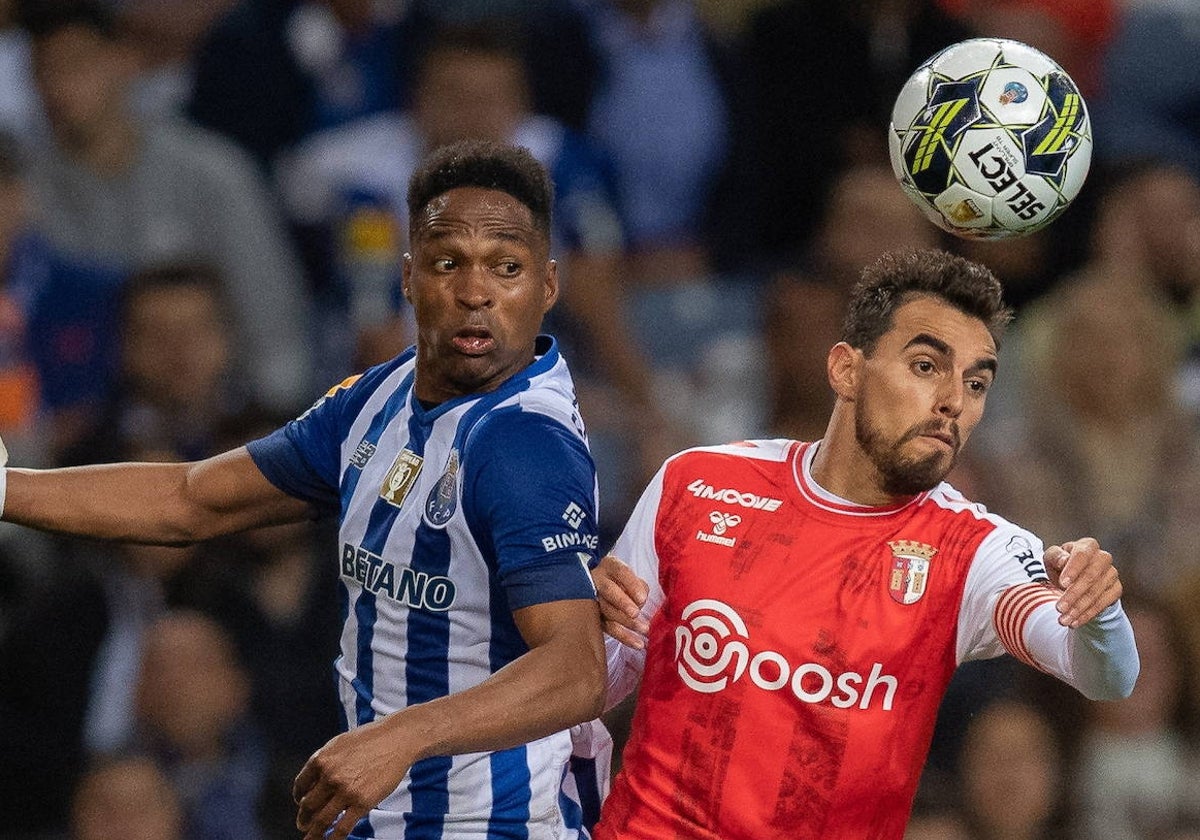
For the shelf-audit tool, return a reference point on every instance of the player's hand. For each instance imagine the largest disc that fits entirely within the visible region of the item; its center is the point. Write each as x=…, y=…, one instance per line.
x=1085, y=574
x=621, y=594
x=343, y=780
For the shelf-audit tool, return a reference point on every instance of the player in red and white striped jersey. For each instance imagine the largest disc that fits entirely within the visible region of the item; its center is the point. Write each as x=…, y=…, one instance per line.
x=805, y=604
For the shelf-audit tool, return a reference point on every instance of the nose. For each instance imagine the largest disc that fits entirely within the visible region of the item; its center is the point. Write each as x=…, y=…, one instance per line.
x=951, y=397
x=473, y=288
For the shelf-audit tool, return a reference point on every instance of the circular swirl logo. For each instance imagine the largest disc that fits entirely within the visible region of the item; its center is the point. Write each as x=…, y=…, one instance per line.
x=710, y=645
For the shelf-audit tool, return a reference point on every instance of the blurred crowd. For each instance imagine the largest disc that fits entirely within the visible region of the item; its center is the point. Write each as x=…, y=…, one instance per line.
x=201, y=221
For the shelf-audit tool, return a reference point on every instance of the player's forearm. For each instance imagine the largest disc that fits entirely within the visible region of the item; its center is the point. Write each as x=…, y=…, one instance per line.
x=1104, y=656
x=160, y=503
x=109, y=501
x=549, y=689
x=1099, y=659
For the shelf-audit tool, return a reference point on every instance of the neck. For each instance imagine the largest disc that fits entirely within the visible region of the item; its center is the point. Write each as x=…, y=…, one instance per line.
x=843, y=468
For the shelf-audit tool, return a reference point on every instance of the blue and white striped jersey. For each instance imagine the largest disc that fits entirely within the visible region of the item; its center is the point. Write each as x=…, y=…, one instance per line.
x=450, y=518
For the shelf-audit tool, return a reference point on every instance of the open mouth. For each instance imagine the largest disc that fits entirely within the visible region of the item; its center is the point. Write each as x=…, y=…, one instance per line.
x=473, y=341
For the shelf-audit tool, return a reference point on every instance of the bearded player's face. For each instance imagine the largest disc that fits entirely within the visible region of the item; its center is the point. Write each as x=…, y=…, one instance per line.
x=922, y=392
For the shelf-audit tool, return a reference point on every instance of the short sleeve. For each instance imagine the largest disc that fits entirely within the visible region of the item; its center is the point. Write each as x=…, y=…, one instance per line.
x=1009, y=556
x=529, y=495
x=303, y=458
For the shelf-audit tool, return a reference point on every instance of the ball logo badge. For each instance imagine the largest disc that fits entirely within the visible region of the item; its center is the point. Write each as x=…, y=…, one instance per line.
x=1014, y=92
x=710, y=646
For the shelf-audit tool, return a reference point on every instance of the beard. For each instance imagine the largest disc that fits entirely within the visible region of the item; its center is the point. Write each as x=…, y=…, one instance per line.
x=902, y=475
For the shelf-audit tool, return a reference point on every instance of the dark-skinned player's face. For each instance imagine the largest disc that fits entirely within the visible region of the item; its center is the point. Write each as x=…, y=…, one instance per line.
x=480, y=279
x=922, y=392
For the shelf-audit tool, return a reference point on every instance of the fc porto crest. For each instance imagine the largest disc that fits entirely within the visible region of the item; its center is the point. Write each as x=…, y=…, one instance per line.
x=443, y=498
x=401, y=477
x=910, y=570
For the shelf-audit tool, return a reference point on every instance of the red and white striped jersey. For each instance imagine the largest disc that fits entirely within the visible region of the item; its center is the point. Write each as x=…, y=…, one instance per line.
x=800, y=645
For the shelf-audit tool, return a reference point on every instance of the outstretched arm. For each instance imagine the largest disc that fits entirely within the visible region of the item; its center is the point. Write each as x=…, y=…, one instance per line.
x=161, y=503
x=557, y=684
x=1073, y=627
x=1060, y=614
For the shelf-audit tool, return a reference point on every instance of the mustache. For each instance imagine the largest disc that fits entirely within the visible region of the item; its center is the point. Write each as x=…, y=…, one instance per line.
x=933, y=427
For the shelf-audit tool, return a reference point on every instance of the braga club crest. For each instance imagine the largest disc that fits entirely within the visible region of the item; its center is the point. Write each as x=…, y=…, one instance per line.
x=910, y=570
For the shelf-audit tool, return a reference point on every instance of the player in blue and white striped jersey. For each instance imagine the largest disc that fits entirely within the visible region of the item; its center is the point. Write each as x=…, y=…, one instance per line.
x=467, y=504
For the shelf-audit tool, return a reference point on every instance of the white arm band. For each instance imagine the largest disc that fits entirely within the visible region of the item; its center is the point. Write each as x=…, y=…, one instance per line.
x=1099, y=659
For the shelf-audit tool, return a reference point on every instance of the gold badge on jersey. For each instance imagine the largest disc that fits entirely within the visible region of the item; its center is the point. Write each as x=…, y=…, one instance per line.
x=910, y=570
x=401, y=477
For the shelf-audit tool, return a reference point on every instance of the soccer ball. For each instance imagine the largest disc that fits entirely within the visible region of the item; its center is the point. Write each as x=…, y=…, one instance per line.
x=990, y=138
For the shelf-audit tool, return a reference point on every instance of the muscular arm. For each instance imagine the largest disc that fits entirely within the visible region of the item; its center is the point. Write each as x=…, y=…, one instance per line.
x=558, y=683
x=161, y=503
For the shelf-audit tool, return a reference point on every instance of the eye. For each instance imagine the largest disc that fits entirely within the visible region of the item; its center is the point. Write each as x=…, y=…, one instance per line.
x=924, y=366
x=443, y=264
x=509, y=268
x=979, y=386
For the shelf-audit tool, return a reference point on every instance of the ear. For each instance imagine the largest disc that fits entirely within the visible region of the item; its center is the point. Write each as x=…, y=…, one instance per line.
x=845, y=367
x=551, y=285
x=406, y=277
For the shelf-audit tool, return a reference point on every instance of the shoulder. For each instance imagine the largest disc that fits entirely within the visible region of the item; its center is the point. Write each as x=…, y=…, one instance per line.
x=370, y=140
x=188, y=147
x=777, y=451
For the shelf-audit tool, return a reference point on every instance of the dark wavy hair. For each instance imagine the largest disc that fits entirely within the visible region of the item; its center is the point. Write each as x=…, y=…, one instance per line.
x=899, y=276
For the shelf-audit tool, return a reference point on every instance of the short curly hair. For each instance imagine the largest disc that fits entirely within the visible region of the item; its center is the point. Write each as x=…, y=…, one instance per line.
x=899, y=276
x=478, y=163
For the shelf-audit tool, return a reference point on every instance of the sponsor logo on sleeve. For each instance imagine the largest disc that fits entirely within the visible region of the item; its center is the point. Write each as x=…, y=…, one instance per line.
x=362, y=453
x=1021, y=551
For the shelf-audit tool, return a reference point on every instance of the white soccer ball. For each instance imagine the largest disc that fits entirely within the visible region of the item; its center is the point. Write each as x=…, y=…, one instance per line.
x=990, y=138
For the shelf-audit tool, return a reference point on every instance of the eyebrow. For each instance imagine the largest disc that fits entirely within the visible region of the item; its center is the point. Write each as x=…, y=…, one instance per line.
x=987, y=363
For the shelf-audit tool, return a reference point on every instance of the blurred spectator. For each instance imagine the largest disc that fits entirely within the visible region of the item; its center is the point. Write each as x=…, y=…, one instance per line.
x=67, y=671
x=1139, y=768
x=1149, y=102
x=272, y=72
x=558, y=55
x=287, y=630
x=165, y=35
x=19, y=110
x=179, y=380
x=940, y=825
x=1072, y=32
x=126, y=796
x=193, y=703
x=808, y=301
x=129, y=194
x=57, y=328
x=662, y=111
x=1012, y=775
x=1113, y=454
x=802, y=135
